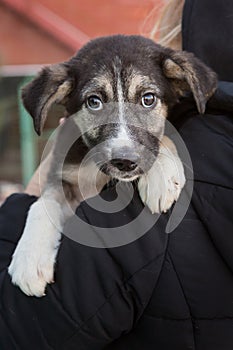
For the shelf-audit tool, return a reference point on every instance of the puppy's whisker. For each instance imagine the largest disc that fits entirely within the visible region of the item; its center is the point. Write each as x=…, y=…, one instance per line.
x=148, y=188
x=99, y=163
x=90, y=156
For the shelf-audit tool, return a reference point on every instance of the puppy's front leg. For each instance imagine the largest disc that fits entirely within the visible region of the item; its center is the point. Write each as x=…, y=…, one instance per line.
x=33, y=260
x=32, y=265
x=162, y=185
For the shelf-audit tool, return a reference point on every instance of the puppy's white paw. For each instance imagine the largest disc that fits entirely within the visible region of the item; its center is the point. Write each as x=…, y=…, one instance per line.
x=32, y=265
x=32, y=270
x=162, y=185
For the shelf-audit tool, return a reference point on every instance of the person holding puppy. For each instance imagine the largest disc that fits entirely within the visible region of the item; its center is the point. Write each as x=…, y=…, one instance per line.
x=161, y=291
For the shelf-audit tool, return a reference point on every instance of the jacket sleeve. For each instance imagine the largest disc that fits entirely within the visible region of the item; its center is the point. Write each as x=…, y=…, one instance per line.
x=13, y=213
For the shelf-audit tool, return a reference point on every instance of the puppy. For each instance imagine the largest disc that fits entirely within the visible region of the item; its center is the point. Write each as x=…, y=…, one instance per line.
x=119, y=90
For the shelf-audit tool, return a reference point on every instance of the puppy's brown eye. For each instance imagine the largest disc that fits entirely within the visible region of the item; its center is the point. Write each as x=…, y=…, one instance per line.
x=94, y=103
x=148, y=100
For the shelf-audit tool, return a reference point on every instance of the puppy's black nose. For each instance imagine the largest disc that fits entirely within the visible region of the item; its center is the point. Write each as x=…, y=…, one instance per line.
x=125, y=158
x=123, y=164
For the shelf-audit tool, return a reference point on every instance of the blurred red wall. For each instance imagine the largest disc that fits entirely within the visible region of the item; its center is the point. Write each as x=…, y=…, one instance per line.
x=47, y=31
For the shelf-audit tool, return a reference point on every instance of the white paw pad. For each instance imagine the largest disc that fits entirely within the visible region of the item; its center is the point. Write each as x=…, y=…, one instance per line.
x=32, y=272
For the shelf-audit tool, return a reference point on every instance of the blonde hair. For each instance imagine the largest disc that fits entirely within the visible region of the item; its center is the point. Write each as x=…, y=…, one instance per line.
x=167, y=29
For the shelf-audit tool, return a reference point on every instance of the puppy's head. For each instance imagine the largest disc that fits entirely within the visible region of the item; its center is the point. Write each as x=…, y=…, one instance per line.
x=121, y=89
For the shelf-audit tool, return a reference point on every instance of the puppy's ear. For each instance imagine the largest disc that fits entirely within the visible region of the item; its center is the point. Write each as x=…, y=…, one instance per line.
x=188, y=73
x=52, y=85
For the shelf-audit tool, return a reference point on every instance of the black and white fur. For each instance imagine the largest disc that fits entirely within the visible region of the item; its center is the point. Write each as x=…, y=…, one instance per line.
x=118, y=72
